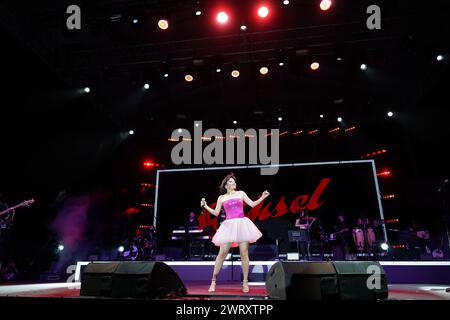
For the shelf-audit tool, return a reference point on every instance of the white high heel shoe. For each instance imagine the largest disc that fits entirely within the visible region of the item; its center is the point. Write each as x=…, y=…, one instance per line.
x=245, y=287
x=212, y=287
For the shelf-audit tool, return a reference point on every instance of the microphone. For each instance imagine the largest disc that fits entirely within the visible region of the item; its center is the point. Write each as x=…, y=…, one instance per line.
x=443, y=185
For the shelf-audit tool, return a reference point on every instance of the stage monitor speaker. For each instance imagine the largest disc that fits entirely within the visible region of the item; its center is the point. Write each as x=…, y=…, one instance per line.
x=346, y=280
x=134, y=279
x=96, y=280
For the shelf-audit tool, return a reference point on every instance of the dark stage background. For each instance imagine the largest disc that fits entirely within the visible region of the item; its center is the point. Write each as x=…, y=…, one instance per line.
x=326, y=190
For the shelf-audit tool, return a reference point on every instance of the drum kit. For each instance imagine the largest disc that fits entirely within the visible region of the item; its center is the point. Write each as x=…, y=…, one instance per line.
x=142, y=247
x=362, y=234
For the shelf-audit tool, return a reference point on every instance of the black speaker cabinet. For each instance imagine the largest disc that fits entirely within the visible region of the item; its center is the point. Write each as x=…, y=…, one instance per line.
x=346, y=280
x=134, y=279
x=97, y=279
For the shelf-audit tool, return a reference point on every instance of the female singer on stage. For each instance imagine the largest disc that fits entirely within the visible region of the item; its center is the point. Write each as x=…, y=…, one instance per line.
x=236, y=230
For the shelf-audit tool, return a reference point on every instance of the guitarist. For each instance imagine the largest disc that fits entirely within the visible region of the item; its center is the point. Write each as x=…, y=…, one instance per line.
x=344, y=236
x=5, y=227
x=6, y=219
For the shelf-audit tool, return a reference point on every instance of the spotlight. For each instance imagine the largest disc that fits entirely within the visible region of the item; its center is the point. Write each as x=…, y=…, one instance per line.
x=339, y=119
x=163, y=24
x=440, y=57
x=321, y=116
x=263, y=12
x=146, y=86
x=264, y=70
x=235, y=73
x=339, y=59
x=285, y=2
x=87, y=89
x=218, y=70
x=243, y=27
x=234, y=122
x=384, y=246
x=325, y=5
x=222, y=17
x=198, y=13
x=188, y=78
x=166, y=75
x=390, y=114
x=135, y=20
x=280, y=119
x=281, y=63
x=60, y=247
x=315, y=66
x=363, y=66
x=131, y=132
x=180, y=130
x=121, y=249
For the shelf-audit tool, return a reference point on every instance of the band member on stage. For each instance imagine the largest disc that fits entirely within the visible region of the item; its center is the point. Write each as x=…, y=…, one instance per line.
x=343, y=234
x=362, y=222
x=304, y=222
x=5, y=228
x=191, y=223
x=9, y=271
x=236, y=230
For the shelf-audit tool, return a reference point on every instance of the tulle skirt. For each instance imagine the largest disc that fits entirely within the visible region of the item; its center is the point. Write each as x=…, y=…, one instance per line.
x=236, y=231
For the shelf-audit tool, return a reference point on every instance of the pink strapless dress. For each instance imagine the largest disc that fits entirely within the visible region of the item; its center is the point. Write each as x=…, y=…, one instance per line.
x=237, y=227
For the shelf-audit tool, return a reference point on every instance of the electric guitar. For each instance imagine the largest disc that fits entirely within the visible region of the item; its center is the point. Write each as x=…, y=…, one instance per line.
x=25, y=203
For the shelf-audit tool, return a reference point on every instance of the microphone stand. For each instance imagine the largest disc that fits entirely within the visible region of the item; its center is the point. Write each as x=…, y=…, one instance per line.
x=308, y=255
x=442, y=193
x=232, y=266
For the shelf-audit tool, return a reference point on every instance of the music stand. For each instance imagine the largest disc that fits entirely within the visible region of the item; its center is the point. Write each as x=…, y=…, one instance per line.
x=300, y=236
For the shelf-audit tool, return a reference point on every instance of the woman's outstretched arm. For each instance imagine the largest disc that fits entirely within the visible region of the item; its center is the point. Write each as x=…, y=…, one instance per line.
x=214, y=211
x=252, y=203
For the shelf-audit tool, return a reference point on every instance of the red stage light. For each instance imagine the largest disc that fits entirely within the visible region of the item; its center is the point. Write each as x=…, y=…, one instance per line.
x=131, y=210
x=222, y=17
x=263, y=12
x=149, y=164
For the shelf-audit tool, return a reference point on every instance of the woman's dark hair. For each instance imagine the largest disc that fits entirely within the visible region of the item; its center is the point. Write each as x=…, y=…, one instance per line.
x=225, y=180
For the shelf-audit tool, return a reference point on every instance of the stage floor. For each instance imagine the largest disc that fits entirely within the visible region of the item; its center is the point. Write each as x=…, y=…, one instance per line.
x=224, y=291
